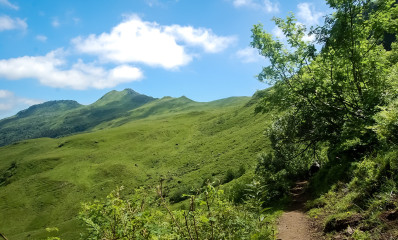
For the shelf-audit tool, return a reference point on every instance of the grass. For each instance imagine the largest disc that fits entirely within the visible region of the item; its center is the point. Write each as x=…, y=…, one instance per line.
x=176, y=139
x=366, y=201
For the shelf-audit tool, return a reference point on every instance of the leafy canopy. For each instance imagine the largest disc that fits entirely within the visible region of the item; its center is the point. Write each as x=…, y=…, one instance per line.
x=331, y=96
x=330, y=99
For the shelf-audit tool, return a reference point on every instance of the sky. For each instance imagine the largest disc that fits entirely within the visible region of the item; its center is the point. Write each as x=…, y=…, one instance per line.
x=80, y=50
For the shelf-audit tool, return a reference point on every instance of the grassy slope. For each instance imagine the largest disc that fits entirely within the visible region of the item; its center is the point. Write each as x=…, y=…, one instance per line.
x=52, y=176
x=34, y=121
x=60, y=118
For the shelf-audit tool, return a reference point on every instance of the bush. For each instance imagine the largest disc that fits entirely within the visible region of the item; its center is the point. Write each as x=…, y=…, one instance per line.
x=239, y=189
x=210, y=216
x=117, y=218
x=273, y=176
x=386, y=125
x=229, y=176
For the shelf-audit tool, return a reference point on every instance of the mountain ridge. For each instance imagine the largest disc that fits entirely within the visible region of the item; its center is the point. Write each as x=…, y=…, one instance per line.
x=58, y=118
x=63, y=117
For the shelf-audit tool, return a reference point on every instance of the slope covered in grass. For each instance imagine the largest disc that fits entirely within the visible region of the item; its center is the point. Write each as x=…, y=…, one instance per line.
x=60, y=118
x=43, y=181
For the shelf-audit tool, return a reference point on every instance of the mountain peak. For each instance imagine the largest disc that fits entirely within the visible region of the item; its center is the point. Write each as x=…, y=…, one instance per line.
x=185, y=99
x=117, y=96
x=130, y=91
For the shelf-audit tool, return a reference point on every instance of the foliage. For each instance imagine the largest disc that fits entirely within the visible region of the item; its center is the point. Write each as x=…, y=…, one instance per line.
x=331, y=99
x=275, y=179
x=386, y=125
x=210, y=216
x=5, y=177
x=116, y=218
x=334, y=95
x=51, y=230
x=360, y=235
x=339, y=108
x=231, y=174
x=360, y=203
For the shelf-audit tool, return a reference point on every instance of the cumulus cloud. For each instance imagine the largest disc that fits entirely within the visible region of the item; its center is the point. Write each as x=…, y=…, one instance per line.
x=200, y=37
x=308, y=14
x=248, y=55
x=52, y=70
x=8, y=4
x=9, y=103
x=138, y=41
x=8, y=23
x=265, y=5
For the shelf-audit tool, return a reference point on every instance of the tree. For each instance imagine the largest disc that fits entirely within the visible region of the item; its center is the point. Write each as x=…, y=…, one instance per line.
x=329, y=98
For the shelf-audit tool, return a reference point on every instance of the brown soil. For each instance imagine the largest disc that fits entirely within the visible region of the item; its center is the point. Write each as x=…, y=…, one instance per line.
x=294, y=223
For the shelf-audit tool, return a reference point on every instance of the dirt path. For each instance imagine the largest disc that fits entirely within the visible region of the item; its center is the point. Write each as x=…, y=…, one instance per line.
x=294, y=223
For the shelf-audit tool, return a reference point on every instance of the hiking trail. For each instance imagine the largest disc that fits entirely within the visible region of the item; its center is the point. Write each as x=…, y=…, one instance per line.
x=294, y=223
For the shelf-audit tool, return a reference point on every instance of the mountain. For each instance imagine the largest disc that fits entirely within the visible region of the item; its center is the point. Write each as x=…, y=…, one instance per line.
x=48, y=109
x=169, y=106
x=43, y=181
x=60, y=118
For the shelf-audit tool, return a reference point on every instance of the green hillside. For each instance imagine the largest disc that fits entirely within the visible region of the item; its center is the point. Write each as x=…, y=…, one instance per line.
x=60, y=118
x=170, y=106
x=43, y=181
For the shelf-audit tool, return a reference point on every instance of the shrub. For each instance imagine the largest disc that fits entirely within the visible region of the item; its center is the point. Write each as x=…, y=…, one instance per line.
x=117, y=218
x=273, y=176
x=229, y=176
x=210, y=216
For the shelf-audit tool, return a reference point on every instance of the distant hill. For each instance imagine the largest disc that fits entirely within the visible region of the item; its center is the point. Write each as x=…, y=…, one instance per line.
x=64, y=117
x=60, y=118
x=169, y=105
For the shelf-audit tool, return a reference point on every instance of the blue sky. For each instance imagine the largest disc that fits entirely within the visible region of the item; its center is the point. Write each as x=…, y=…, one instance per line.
x=80, y=50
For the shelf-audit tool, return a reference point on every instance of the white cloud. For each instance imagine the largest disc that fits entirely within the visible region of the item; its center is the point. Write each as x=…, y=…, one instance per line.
x=55, y=23
x=8, y=23
x=308, y=38
x=248, y=55
x=240, y=3
x=271, y=7
x=51, y=70
x=8, y=4
x=201, y=37
x=264, y=5
x=41, y=38
x=308, y=14
x=10, y=104
x=277, y=32
x=138, y=41
x=5, y=94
